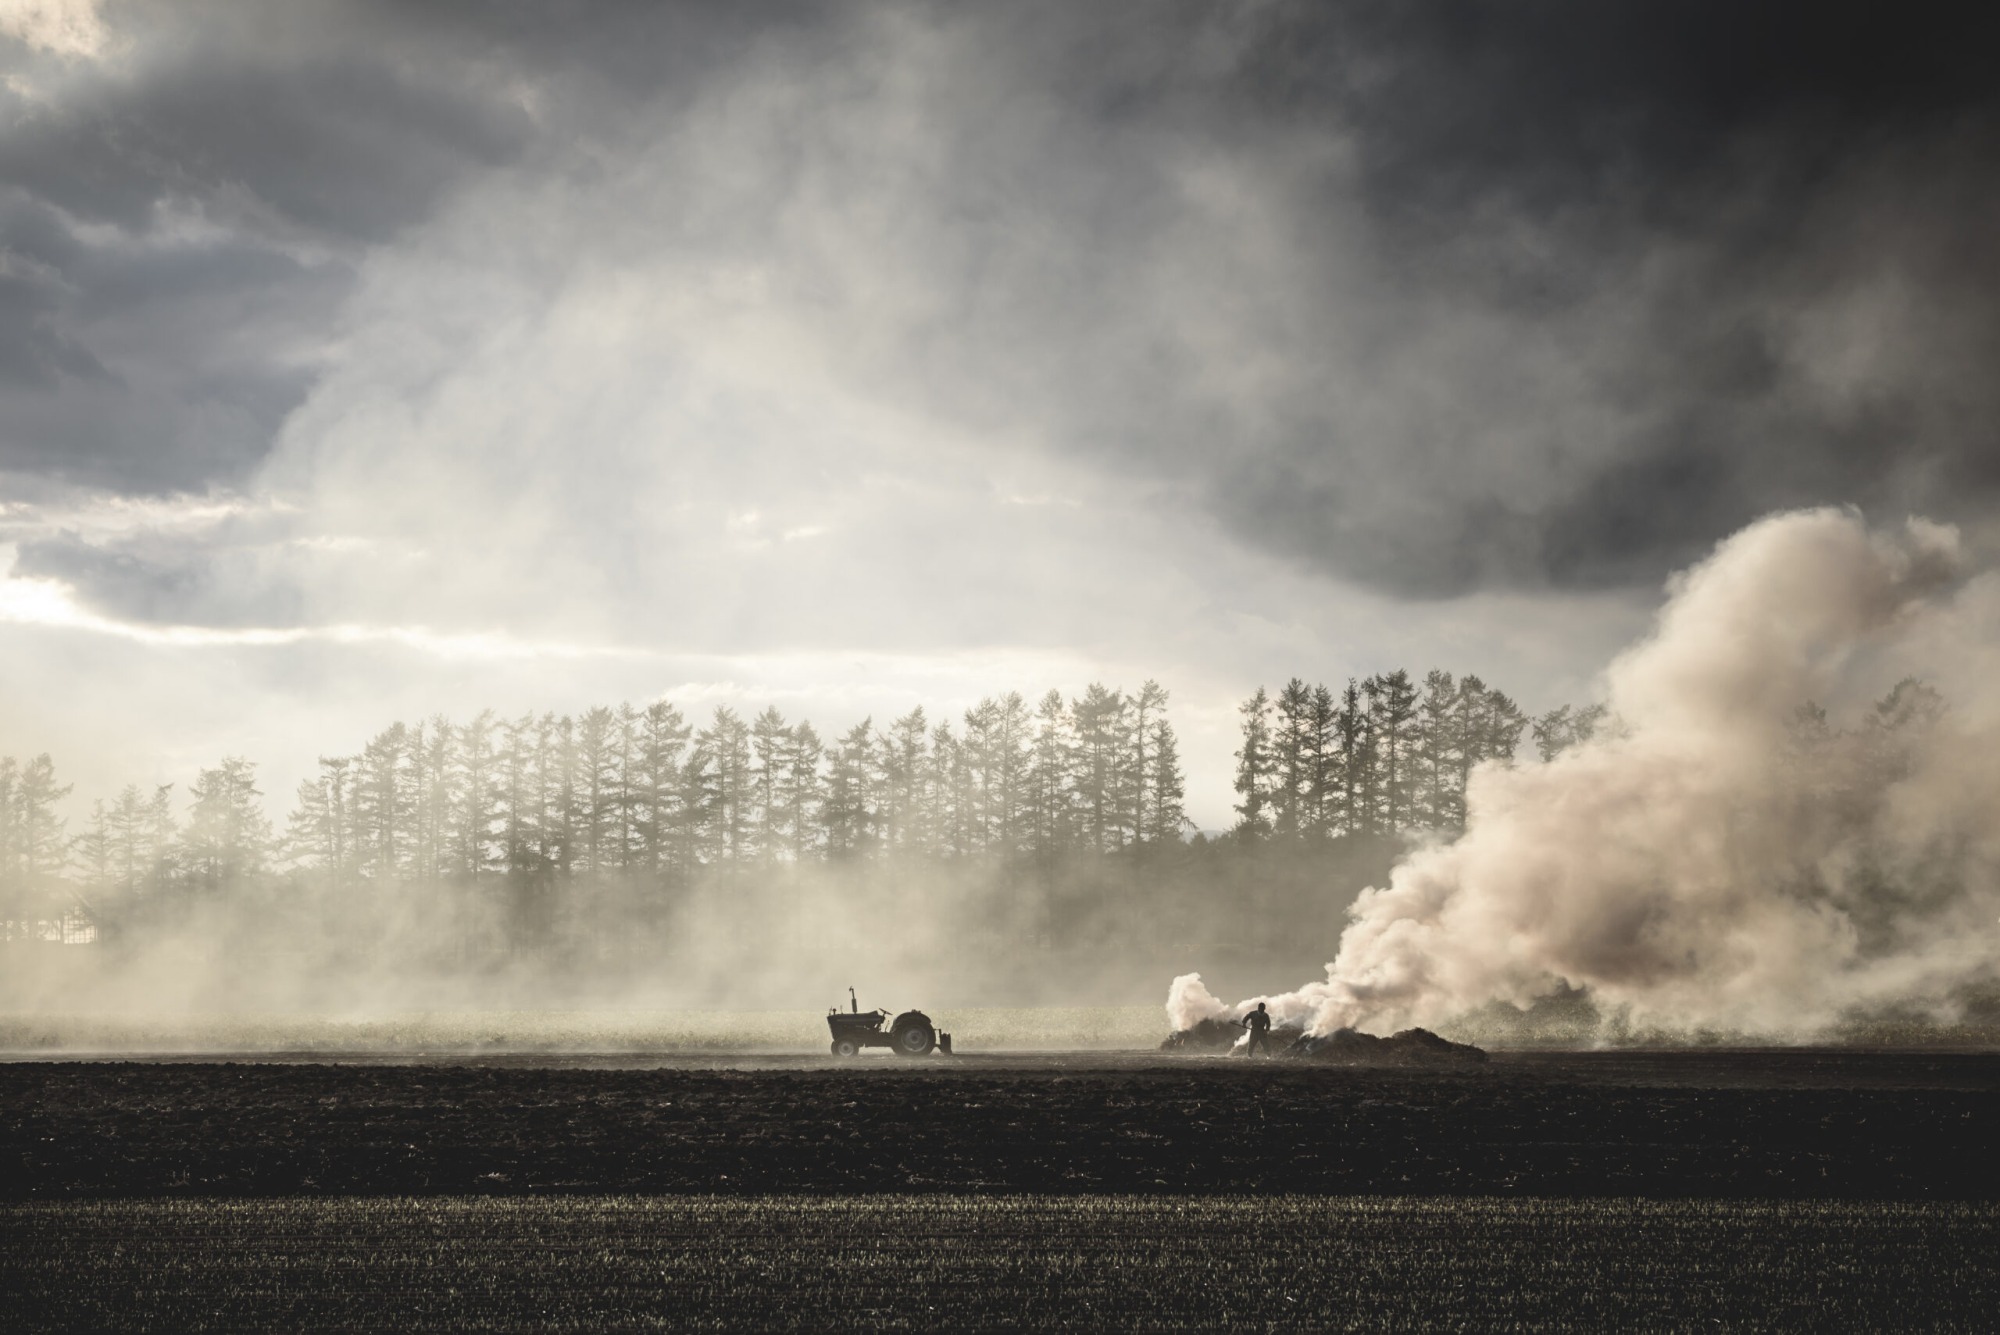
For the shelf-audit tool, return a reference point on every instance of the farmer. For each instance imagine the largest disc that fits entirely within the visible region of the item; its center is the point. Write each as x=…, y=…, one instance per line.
x=1258, y=1022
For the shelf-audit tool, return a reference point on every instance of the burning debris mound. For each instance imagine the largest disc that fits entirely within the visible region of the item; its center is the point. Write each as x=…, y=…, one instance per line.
x=1411, y=1047
x=1342, y=1047
x=1215, y=1035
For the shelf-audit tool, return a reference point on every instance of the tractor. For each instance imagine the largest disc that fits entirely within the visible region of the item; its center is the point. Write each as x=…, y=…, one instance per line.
x=912, y=1034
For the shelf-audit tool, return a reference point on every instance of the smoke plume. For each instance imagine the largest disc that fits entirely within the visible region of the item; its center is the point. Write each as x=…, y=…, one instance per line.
x=1752, y=845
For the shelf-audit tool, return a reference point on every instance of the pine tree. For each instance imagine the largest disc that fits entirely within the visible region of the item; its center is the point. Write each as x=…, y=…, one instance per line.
x=228, y=837
x=1910, y=706
x=1254, y=775
x=162, y=838
x=431, y=797
x=1323, y=755
x=42, y=848
x=947, y=804
x=665, y=842
x=1009, y=767
x=1291, y=753
x=979, y=766
x=770, y=738
x=625, y=794
x=1489, y=727
x=724, y=747
x=847, y=812
x=801, y=789
x=1439, y=759
x=557, y=769
x=14, y=907
x=597, y=813
x=310, y=840
x=698, y=840
x=902, y=760
x=520, y=795
x=1165, y=816
x=1357, y=773
x=1392, y=711
x=1564, y=727
x=138, y=845
x=1103, y=773
x=382, y=802
x=477, y=796
x=94, y=853
x=1147, y=712
x=1897, y=723
x=1051, y=778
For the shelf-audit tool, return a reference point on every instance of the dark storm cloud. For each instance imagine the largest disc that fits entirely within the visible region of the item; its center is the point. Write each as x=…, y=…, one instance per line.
x=1543, y=100
x=143, y=366
x=1434, y=296
x=33, y=352
x=181, y=225
x=296, y=136
x=347, y=150
x=1673, y=189
x=150, y=580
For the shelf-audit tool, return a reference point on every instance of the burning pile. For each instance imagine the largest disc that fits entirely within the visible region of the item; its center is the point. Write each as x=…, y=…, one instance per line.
x=1342, y=1047
x=1411, y=1047
x=1219, y=1035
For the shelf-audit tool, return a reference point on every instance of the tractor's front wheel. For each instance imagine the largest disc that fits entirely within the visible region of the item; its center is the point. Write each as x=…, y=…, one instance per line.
x=914, y=1039
x=845, y=1047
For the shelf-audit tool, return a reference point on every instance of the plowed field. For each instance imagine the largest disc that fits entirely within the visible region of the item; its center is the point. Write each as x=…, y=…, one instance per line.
x=1713, y=1190
x=1005, y=1263
x=1763, y=1125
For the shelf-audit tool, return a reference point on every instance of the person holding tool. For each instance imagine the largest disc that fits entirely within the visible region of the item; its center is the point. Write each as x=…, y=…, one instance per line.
x=1258, y=1022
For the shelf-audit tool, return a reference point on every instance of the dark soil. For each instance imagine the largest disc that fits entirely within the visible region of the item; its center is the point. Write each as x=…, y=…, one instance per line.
x=874, y=1263
x=1796, y=1124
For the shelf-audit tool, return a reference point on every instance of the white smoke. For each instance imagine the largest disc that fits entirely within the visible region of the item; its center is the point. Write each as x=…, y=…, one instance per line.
x=1715, y=860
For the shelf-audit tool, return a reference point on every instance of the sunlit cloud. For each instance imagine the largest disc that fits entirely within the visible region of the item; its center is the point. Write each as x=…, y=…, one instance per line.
x=126, y=514
x=829, y=676
x=61, y=27
x=42, y=602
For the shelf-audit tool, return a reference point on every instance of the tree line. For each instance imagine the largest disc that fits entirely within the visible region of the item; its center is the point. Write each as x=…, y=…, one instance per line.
x=1059, y=817
x=628, y=791
x=1382, y=756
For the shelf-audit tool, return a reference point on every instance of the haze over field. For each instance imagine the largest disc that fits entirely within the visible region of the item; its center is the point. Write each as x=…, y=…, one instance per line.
x=367, y=364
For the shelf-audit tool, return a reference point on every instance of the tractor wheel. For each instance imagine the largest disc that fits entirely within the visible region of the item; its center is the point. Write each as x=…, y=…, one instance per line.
x=913, y=1038
x=845, y=1047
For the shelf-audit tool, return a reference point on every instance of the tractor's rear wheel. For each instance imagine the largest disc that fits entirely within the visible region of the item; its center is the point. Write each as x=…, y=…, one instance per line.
x=913, y=1038
x=845, y=1047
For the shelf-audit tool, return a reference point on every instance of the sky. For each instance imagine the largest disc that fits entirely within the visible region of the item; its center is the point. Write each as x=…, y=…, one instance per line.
x=365, y=361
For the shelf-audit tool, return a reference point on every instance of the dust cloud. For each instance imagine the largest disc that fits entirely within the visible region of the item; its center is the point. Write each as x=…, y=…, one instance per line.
x=1787, y=825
